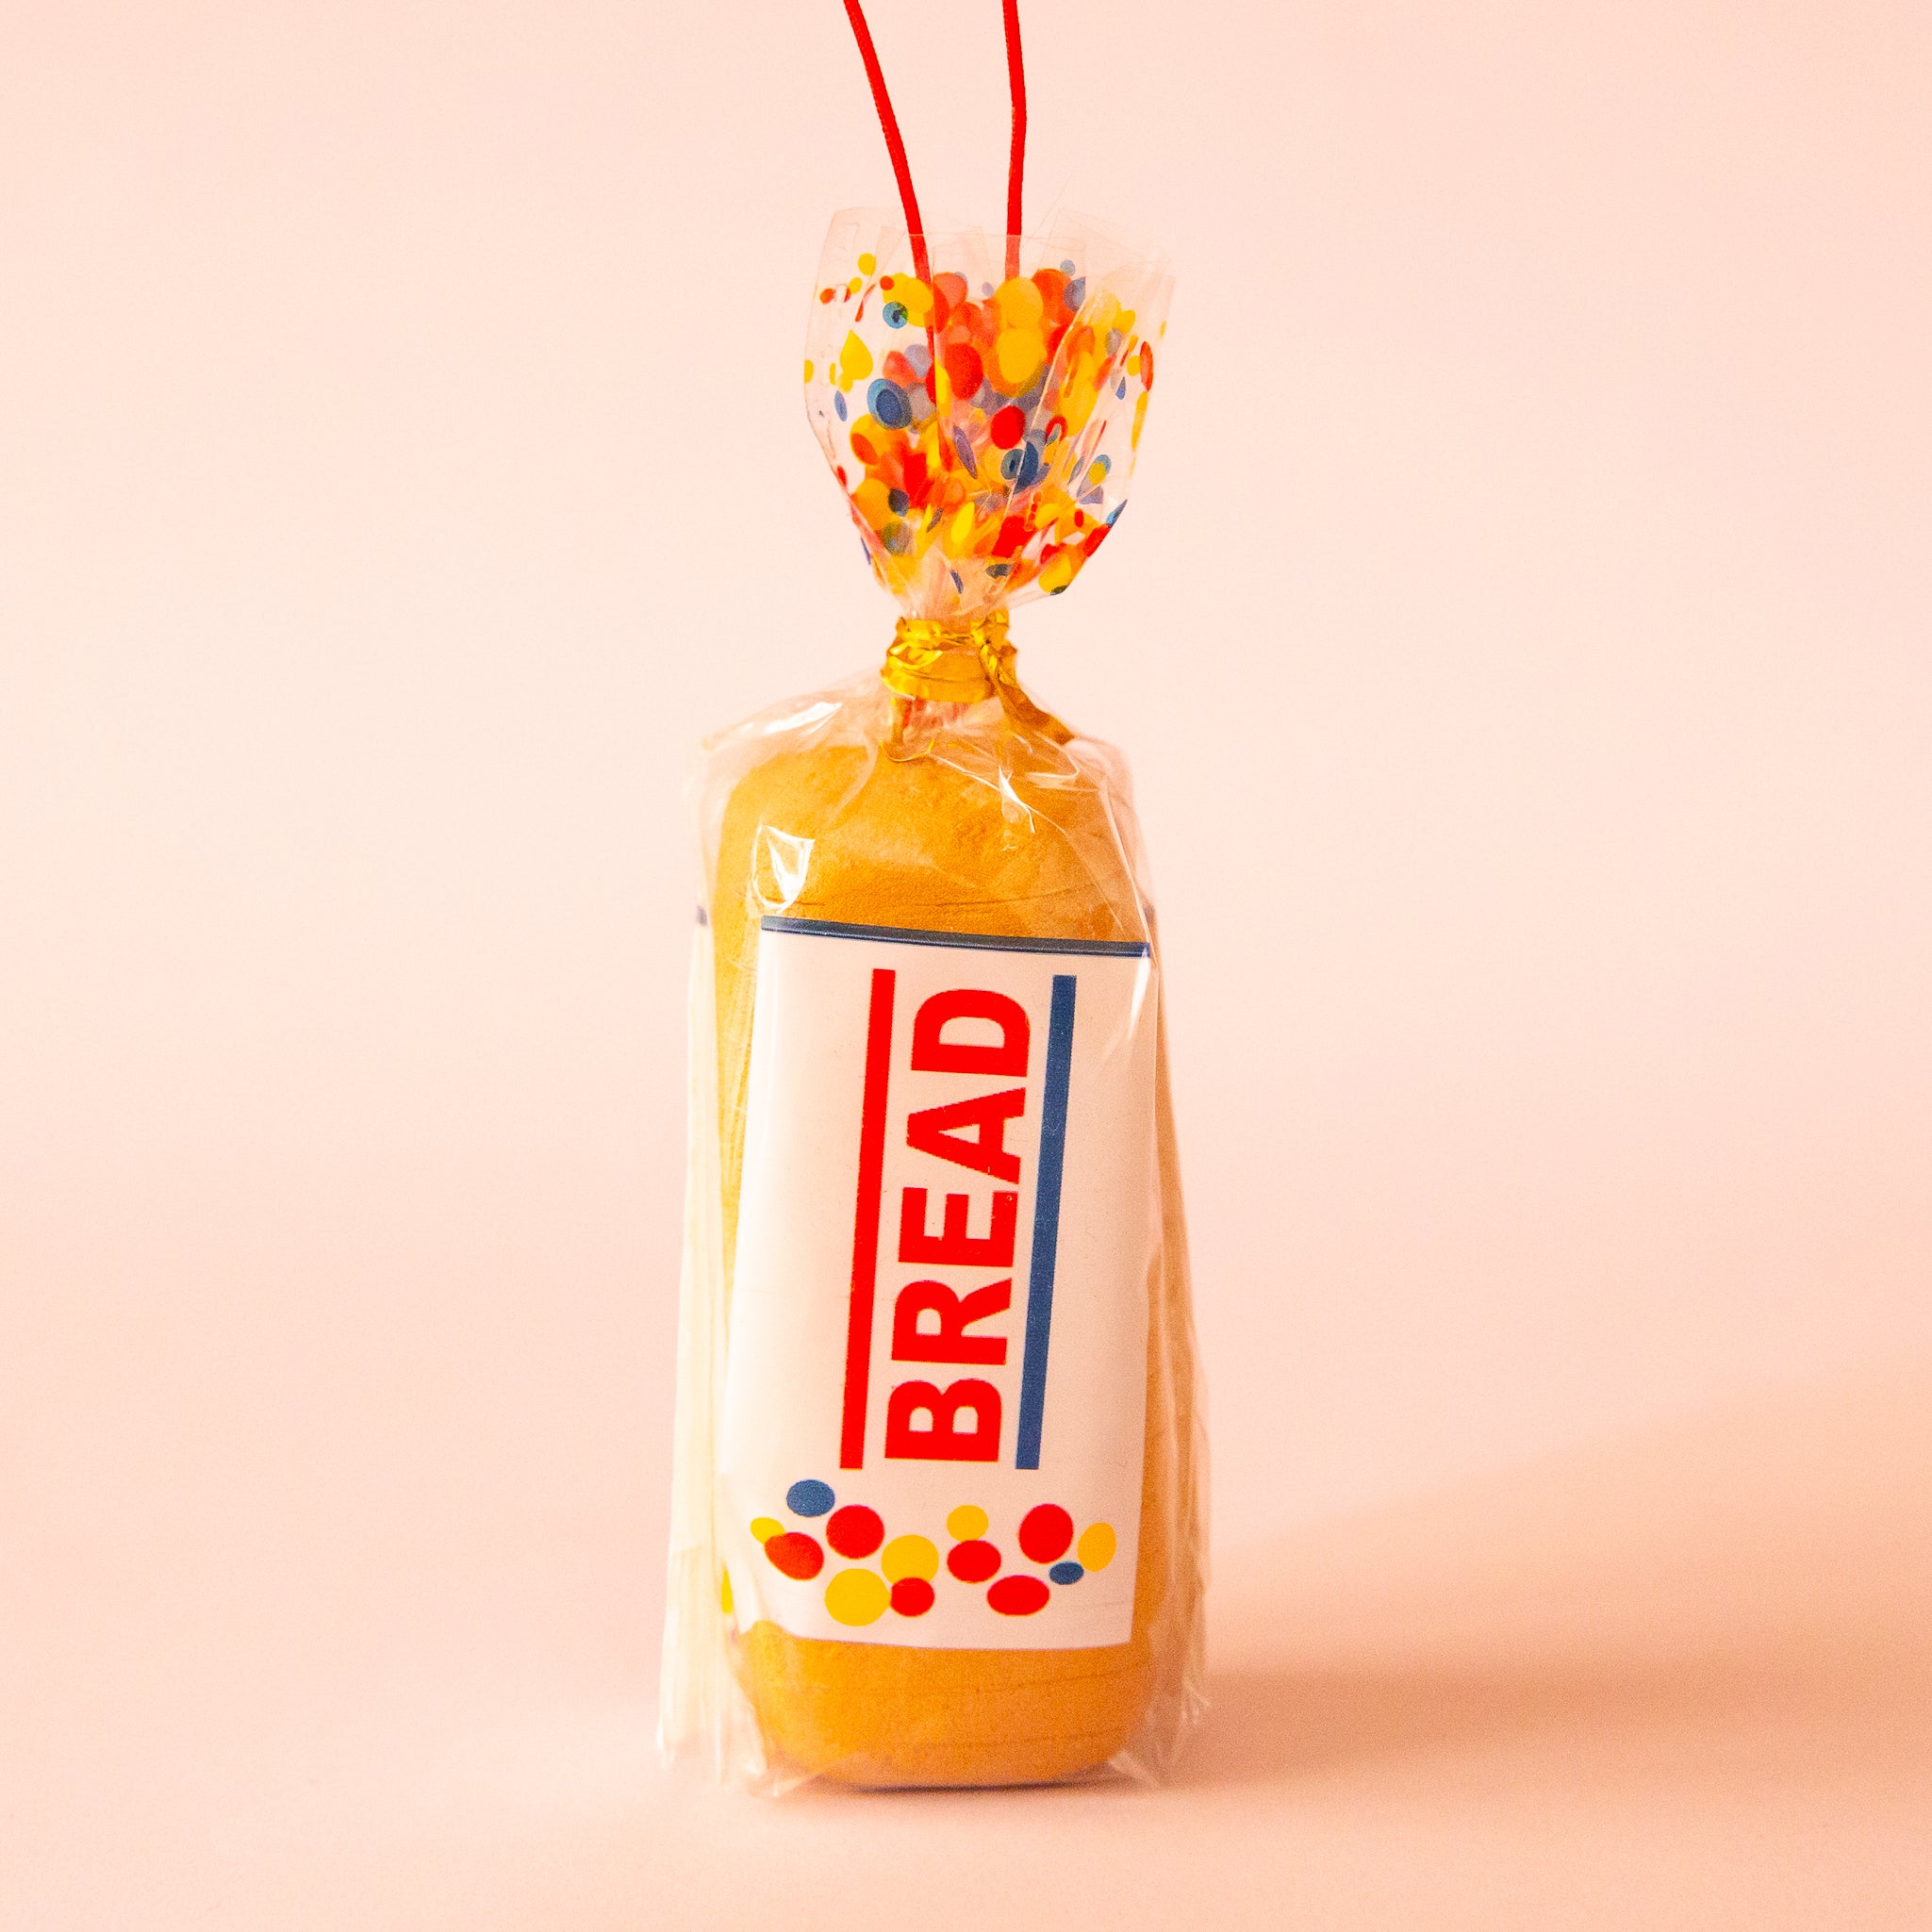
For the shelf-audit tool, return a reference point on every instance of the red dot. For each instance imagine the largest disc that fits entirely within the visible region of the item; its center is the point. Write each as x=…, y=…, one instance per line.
x=856, y=1531
x=912, y=1597
x=963, y=370
x=1019, y=1597
x=795, y=1553
x=1146, y=365
x=1007, y=426
x=1043, y=1533
x=974, y=1562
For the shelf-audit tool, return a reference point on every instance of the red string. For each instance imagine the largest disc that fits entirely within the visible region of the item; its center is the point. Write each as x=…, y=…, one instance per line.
x=1016, y=166
x=888, y=123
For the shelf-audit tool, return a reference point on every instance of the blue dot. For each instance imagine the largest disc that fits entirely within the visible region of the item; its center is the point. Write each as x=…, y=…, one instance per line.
x=888, y=404
x=1067, y=267
x=810, y=1497
x=963, y=444
x=894, y=313
x=1076, y=292
x=1067, y=1573
x=839, y=403
x=898, y=501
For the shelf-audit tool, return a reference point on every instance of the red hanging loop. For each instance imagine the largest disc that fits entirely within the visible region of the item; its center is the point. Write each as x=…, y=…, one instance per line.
x=1016, y=165
x=895, y=146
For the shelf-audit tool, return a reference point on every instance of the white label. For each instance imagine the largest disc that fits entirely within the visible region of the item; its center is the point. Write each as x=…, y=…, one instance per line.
x=937, y=1388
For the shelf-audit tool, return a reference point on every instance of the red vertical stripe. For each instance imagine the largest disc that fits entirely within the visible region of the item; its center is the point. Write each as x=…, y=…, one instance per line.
x=858, y=1334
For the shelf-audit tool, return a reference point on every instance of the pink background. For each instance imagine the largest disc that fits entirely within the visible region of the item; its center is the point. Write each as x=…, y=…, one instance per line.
x=1521, y=635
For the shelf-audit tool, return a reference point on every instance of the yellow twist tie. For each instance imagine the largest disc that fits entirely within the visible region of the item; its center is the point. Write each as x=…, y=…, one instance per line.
x=961, y=663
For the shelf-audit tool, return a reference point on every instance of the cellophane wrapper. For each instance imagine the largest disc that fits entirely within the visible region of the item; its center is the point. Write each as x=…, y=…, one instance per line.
x=939, y=1507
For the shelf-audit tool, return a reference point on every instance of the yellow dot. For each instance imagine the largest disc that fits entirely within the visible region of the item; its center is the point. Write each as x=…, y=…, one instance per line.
x=808, y=368
x=764, y=1528
x=908, y=1556
x=1018, y=303
x=966, y=1523
x=724, y=1591
x=867, y=263
x=854, y=360
x=857, y=1596
x=857, y=283
x=1096, y=1546
x=1017, y=355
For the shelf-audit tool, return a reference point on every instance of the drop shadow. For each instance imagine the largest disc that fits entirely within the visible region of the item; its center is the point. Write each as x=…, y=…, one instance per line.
x=1742, y=1598
x=1268, y=1726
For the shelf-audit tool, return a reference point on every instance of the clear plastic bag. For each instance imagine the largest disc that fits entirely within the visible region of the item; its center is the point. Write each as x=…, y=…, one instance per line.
x=939, y=1492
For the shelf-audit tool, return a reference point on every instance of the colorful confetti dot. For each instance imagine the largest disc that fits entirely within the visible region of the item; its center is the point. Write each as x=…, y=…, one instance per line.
x=887, y=403
x=1017, y=355
x=912, y=1597
x=857, y=1596
x=1045, y=1533
x=765, y=1527
x=856, y=1531
x=1067, y=1573
x=909, y=1556
x=810, y=1497
x=967, y=1524
x=1019, y=1597
x=974, y=1562
x=795, y=1554
x=963, y=370
x=1096, y=1546
x=855, y=358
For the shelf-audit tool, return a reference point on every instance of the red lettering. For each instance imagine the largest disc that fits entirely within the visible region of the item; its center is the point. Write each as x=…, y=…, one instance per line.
x=949, y=1341
x=952, y=1244
x=935, y=1130
x=933, y=1054
x=942, y=1439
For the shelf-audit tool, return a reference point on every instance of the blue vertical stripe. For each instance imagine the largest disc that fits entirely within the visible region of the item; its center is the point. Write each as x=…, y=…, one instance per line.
x=1033, y=1368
